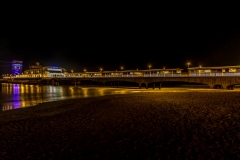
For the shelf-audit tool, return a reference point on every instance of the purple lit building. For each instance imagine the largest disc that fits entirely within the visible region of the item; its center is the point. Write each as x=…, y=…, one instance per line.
x=16, y=67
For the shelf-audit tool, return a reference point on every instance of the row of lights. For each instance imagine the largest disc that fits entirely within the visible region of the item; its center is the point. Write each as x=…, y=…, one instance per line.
x=149, y=67
x=190, y=63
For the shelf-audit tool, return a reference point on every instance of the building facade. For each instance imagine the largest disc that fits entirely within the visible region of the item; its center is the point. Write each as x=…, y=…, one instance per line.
x=38, y=70
x=16, y=67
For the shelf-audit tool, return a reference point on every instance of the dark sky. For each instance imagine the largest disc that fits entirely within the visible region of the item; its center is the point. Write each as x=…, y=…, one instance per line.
x=74, y=38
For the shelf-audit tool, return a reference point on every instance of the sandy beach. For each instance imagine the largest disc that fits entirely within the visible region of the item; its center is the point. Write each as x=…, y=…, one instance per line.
x=151, y=125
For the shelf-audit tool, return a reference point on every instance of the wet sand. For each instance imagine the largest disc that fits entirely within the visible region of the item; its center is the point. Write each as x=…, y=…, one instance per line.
x=194, y=124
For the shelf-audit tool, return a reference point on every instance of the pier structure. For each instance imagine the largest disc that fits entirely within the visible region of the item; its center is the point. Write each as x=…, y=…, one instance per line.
x=224, y=77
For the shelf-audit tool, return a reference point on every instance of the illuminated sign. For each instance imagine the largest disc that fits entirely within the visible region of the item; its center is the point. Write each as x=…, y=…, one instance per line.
x=54, y=67
x=207, y=70
x=232, y=69
x=178, y=71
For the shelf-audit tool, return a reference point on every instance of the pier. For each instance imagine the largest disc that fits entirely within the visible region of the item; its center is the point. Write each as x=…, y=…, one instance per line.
x=224, y=77
x=214, y=81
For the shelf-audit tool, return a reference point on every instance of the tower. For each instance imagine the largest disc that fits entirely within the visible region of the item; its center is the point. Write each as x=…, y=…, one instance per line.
x=16, y=67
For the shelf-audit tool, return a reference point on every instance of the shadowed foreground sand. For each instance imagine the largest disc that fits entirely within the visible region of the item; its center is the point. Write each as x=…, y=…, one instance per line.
x=157, y=125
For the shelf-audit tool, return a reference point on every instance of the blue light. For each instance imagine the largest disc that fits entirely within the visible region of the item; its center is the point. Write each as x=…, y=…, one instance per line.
x=16, y=68
x=53, y=67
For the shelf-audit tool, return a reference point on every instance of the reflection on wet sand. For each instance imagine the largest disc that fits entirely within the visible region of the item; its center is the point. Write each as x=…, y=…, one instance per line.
x=14, y=96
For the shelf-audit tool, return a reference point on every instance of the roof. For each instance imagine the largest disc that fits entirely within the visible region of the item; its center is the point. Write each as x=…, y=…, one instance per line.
x=173, y=69
x=84, y=72
x=220, y=67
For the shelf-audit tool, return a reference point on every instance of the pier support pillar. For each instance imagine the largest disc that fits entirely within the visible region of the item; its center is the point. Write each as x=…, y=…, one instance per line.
x=146, y=85
x=153, y=85
x=212, y=86
x=231, y=87
x=52, y=82
x=160, y=85
x=140, y=85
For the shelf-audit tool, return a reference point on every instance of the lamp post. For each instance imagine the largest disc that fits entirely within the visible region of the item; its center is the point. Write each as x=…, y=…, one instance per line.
x=199, y=70
x=149, y=67
x=188, y=67
x=72, y=72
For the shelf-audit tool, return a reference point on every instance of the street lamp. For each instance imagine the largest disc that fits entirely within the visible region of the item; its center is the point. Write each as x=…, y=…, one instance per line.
x=101, y=69
x=188, y=64
x=149, y=66
x=121, y=68
x=84, y=70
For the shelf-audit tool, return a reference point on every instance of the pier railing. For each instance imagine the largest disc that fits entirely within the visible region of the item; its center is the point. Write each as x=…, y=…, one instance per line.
x=183, y=74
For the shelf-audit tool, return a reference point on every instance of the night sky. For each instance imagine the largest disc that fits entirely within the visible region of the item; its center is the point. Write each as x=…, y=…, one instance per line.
x=109, y=38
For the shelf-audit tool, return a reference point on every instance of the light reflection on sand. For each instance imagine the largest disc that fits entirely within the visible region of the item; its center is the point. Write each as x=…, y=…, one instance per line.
x=14, y=96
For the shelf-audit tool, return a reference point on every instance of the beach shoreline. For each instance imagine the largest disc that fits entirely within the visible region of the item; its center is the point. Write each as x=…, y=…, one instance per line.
x=149, y=125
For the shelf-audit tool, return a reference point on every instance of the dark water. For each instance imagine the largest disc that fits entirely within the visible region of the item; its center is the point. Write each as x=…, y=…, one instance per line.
x=14, y=96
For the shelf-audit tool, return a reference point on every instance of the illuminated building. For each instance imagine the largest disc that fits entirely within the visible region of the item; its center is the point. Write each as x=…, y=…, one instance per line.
x=38, y=70
x=16, y=67
x=214, y=71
